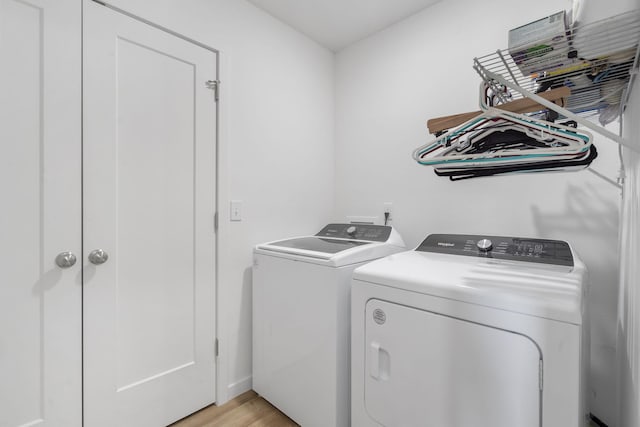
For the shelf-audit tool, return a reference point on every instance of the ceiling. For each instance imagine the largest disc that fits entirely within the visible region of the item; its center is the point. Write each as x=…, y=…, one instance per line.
x=338, y=23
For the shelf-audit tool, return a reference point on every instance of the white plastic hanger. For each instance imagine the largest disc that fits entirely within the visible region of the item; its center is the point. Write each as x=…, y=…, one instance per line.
x=557, y=141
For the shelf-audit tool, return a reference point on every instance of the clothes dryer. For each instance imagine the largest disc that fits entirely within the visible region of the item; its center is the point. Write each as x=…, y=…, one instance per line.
x=301, y=320
x=471, y=331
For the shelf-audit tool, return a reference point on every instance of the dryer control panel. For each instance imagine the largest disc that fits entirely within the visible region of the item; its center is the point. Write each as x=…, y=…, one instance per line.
x=540, y=251
x=370, y=232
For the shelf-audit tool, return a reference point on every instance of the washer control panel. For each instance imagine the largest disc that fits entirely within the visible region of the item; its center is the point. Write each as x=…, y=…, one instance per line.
x=370, y=232
x=540, y=251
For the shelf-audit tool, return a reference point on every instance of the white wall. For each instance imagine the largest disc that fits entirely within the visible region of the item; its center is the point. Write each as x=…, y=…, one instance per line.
x=276, y=146
x=389, y=84
x=629, y=308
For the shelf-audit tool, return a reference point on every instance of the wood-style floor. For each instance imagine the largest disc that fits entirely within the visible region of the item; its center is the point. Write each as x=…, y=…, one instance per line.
x=246, y=410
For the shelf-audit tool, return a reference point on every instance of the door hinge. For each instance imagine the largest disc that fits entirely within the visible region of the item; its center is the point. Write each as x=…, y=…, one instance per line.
x=541, y=375
x=216, y=347
x=214, y=85
x=215, y=222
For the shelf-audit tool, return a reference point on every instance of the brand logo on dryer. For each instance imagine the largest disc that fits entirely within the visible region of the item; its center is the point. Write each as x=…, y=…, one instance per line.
x=446, y=244
x=379, y=316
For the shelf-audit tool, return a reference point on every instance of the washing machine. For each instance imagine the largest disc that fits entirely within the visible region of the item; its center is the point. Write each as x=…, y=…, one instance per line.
x=467, y=330
x=301, y=318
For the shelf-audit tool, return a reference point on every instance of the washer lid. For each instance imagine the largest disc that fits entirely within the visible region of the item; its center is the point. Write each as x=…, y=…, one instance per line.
x=542, y=290
x=338, y=244
x=321, y=247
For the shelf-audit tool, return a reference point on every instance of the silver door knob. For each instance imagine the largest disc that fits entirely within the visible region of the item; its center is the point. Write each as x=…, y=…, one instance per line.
x=65, y=259
x=98, y=256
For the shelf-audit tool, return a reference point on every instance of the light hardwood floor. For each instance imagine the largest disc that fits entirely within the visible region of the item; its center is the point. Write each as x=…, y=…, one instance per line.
x=246, y=410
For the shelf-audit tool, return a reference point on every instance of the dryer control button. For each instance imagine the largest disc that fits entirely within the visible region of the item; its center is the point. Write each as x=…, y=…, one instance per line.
x=351, y=230
x=485, y=245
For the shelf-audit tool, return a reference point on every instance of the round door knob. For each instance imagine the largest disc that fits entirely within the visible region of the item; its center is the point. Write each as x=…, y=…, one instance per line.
x=351, y=230
x=485, y=245
x=98, y=256
x=65, y=259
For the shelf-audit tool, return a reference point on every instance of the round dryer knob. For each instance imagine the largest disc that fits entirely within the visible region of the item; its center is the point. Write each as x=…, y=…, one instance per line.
x=351, y=230
x=485, y=245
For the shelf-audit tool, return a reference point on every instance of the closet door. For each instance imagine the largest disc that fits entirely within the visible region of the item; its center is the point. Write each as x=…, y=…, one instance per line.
x=149, y=204
x=40, y=302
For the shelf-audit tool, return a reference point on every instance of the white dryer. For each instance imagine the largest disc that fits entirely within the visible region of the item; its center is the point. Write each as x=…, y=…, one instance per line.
x=479, y=331
x=301, y=318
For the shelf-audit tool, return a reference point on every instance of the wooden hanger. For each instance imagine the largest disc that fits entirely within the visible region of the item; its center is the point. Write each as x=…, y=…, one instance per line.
x=524, y=105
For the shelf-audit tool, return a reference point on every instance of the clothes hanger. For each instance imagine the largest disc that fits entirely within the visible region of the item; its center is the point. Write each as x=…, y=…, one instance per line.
x=558, y=141
x=503, y=136
x=496, y=142
x=550, y=166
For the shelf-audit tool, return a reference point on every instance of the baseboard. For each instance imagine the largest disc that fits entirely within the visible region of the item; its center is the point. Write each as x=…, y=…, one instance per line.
x=239, y=387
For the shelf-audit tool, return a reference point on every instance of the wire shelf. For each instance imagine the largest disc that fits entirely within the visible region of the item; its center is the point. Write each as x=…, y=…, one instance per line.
x=597, y=61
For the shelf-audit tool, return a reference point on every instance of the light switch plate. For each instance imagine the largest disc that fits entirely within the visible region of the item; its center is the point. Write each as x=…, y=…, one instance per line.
x=236, y=210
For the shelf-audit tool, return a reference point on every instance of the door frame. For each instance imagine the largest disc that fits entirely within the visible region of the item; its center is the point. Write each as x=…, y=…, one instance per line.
x=221, y=378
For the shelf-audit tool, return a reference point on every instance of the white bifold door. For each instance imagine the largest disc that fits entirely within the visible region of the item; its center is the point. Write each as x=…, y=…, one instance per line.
x=40, y=302
x=107, y=179
x=40, y=190
x=149, y=204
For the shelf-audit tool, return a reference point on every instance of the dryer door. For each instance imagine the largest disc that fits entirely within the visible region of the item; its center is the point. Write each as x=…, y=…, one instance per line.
x=427, y=369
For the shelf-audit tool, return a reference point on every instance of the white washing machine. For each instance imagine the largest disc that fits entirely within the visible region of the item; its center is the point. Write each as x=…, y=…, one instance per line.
x=471, y=331
x=301, y=318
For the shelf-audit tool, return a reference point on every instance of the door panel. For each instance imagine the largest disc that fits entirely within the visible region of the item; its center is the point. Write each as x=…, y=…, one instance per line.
x=149, y=203
x=425, y=366
x=155, y=211
x=40, y=303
